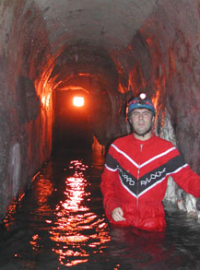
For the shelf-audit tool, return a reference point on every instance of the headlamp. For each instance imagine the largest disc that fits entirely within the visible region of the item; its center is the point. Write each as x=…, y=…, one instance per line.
x=142, y=96
x=141, y=102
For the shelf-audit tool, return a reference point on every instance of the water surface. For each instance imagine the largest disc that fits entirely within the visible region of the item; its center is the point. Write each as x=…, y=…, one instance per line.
x=60, y=223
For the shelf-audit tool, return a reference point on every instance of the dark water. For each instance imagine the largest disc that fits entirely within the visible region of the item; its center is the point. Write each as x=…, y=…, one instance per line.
x=60, y=223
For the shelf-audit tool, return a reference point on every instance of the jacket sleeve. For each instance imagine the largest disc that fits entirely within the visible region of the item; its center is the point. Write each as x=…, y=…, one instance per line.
x=187, y=179
x=109, y=177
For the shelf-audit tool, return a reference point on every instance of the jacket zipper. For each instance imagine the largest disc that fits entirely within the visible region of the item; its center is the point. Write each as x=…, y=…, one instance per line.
x=138, y=175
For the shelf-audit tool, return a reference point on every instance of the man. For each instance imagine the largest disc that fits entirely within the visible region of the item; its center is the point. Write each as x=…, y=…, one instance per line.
x=137, y=167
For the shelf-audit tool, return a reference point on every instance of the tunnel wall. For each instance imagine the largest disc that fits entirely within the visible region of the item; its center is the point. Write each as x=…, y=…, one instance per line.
x=172, y=39
x=25, y=122
x=163, y=60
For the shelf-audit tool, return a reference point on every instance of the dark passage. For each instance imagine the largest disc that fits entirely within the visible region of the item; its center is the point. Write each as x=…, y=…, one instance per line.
x=72, y=127
x=60, y=223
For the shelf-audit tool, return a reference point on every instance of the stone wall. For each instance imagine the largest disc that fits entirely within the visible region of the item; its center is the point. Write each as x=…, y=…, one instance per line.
x=25, y=122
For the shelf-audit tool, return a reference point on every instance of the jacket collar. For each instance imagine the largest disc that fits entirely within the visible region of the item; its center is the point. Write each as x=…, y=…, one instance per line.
x=148, y=141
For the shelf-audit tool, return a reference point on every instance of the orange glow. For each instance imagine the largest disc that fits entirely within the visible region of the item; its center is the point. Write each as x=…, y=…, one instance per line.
x=78, y=101
x=78, y=230
x=12, y=208
x=75, y=231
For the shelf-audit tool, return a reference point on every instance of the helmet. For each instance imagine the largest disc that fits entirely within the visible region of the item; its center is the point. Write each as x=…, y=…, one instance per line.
x=141, y=102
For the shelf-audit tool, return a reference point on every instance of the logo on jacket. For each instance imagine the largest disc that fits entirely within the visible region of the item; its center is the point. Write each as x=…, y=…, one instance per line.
x=138, y=187
x=126, y=178
x=153, y=177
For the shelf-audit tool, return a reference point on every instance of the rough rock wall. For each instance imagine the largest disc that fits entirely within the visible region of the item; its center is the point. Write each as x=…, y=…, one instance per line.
x=25, y=124
x=171, y=37
x=163, y=60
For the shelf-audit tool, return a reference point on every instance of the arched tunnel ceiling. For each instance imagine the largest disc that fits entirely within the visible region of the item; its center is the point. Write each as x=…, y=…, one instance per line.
x=117, y=47
x=104, y=23
x=125, y=45
x=86, y=39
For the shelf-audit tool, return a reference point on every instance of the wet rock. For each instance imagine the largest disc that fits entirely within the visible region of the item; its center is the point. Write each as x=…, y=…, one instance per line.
x=198, y=204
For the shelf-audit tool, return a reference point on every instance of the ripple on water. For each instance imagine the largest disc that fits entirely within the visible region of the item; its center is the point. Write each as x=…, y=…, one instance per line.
x=60, y=223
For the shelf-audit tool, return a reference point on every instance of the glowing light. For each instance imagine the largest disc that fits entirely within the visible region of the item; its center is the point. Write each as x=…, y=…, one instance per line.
x=78, y=230
x=143, y=95
x=78, y=101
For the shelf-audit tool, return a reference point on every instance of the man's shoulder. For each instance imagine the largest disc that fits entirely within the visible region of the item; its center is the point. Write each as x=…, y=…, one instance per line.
x=163, y=141
x=122, y=139
x=121, y=142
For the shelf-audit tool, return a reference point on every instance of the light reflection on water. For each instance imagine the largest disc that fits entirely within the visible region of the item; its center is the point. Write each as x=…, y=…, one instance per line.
x=78, y=230
x=60, y=223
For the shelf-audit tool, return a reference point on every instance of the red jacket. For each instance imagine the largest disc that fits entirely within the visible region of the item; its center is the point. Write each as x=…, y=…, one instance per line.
x=135, y=178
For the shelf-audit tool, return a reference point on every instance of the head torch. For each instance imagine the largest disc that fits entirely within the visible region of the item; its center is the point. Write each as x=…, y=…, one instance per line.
x=141, y=102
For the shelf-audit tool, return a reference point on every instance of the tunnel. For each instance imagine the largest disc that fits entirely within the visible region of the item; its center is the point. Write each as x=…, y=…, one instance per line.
x=105, y=51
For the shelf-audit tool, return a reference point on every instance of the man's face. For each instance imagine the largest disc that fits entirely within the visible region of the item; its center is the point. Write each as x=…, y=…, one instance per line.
x=141, y=121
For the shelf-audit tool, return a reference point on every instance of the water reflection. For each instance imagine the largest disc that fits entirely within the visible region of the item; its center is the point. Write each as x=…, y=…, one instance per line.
x=60, y=223
x=78, y=231
x=42, y=193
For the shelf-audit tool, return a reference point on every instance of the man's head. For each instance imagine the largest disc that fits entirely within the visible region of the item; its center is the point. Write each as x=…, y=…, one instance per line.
x=141, y=114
